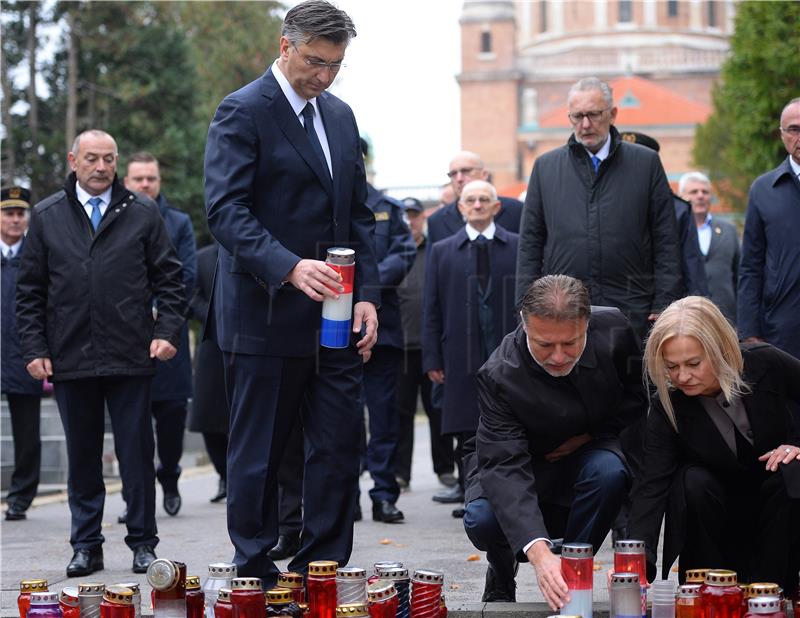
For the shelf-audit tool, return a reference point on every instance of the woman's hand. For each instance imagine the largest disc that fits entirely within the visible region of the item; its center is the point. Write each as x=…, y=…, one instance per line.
x=783, y=454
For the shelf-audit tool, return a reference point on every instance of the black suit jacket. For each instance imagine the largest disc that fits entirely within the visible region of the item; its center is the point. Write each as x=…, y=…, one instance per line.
x=270, y=203
x=447, y=220
x=774, y=380
x=525, y=413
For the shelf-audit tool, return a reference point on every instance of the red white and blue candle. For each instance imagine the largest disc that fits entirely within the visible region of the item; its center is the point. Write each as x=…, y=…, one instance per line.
x=337, y=313
x=577, y=568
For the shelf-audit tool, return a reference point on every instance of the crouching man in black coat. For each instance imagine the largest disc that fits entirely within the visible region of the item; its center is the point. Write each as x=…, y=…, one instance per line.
x=96, y=255
x=548, y=463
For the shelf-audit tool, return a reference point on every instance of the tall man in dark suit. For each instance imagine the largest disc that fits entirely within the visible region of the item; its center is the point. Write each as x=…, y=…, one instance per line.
x=468, y=308
x=96, y=255
x=172, y=384
x=24, y=394
x=718, y=243
x=464, y=168
x=548, y=462
x=285, y=182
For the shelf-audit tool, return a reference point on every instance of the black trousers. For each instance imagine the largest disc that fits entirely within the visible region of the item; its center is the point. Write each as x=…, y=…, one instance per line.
x=411, y=382
x=751, y=526
x=217, y=448
x=81, y=404
x=290, y=483
x=265, y=396
x=25, y=421
x=170, y=417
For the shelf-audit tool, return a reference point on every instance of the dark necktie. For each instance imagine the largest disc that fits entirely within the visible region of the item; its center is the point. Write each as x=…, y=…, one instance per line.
x=482, y=248
x=95, y=202
x=595, y=163
x=308, y=119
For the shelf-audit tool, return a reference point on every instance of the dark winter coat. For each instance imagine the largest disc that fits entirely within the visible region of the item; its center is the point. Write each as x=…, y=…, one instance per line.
x=84, y=298
x=173, y=379
x=15, y=378
x=615, y=231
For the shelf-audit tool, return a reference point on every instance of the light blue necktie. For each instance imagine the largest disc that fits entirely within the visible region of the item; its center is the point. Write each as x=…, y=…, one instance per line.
x=96, y=214
x=596, y=163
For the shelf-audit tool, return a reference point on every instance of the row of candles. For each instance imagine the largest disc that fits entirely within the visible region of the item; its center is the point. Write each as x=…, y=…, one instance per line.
x=708, y=593
x=327, y=591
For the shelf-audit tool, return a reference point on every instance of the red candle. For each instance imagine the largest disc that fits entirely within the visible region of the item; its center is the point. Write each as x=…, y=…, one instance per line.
x=321, y=586
x=293, y=582
x=688, y=603
x=721, y=596
x=765, y=607
x=68, y=600
x=629, y=558
x=247, y=598
x=26, y=586
x=222, y=606
x=195, y=598
x=117, y=603
x=426, y=592
x=383, y=600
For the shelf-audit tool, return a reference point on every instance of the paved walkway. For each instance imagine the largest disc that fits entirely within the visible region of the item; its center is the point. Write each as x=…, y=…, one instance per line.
x=430, y=537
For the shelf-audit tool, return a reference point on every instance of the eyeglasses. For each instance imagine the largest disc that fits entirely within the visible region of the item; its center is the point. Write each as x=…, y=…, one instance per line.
x=485, y=201
x=793, y=130
x=464, y=171
x=593, y=116
x=316, y=63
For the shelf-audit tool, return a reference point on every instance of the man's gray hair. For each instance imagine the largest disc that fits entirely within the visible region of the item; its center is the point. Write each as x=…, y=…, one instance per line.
x=792, y=102
x=76, y=144
x=556, y=297
x=592, y=83
x=692, y=176
x=314, y=19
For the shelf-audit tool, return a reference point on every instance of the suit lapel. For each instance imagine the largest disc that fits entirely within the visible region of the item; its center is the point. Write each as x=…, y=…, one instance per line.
x=716, y=236
x=332, y=125
x=453, y=219
x=289, y=124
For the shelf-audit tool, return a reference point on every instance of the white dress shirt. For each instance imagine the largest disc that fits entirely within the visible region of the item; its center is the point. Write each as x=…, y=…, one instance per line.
x=704, y=235
x=601, y=154
x=4, y=248
x=488, y=233
x=298, y=104
x=84, y=197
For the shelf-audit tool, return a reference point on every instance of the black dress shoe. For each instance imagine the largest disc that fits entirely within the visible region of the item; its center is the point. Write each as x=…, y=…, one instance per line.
x=14, y=513
x=286, y=547
x=143, y=555
x=85, y=562
x=172, y=502
x=222, y=491
x=459, y=512
x=453, y=495
x=386, y=512
x=499, y=589
x=123, y=518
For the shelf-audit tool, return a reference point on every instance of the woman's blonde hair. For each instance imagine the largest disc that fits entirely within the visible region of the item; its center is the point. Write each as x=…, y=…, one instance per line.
x=698, y=317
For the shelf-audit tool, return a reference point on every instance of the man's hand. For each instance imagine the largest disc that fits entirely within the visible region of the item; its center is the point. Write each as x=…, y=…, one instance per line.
x=40, y=368
x=364, y=313
x=436, y=376
x=316, y=280
x=653, y=317
x=569, y=447
x=548, y=575
x=162, y=349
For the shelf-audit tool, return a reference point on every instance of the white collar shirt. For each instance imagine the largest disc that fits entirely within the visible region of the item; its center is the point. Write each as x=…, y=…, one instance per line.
x=84, y=197
x=488, y=233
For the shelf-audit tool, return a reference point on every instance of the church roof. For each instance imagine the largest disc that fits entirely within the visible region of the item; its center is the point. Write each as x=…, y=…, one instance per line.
x=641, y=103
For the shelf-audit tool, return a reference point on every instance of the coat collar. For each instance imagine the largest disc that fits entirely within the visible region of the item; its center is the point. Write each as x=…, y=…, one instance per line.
x=290, y=125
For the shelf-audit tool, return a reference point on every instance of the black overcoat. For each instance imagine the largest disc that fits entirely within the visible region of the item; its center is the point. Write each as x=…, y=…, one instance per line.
x=526, y=413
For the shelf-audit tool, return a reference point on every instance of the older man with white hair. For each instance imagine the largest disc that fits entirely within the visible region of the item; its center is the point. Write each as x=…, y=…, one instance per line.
x=719, y=243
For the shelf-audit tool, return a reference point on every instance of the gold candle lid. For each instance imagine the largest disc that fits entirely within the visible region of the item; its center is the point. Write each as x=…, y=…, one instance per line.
x=192, y=582
x=91, y=588
x=696, y=576
x=304, y=606
x=322, y=567
x=380, y=590
x=721, y=577
x=351, y=610
x=290, y=579
x=134, y=586
x=224, y=595
x=119, y=595
x=279, y=596
x=245, y=583
x=764, y=589
x=33, y=585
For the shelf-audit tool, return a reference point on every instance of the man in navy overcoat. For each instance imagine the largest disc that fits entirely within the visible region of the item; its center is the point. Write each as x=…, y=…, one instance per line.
x=284, y=183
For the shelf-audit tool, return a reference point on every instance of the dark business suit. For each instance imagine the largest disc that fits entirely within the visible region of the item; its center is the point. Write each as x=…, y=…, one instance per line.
x=448, y=220
x=271, y=202
x=678, y=464
x=694, y=275
x=513, y=494
x=722, y=266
